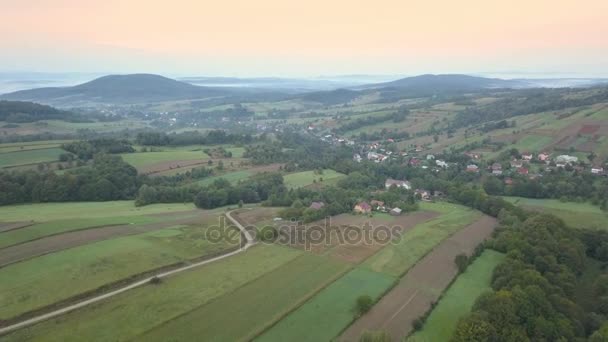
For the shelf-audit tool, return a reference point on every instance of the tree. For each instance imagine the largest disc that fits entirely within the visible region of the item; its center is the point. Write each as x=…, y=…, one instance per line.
x=364, y=303
x=375, y=336
x=462, y=262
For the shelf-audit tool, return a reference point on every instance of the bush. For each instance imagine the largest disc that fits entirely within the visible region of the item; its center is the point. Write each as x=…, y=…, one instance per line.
x=462, y=262
x=364, y=304
x=156, y=281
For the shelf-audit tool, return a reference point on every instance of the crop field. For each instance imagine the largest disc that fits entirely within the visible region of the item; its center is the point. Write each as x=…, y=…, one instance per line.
x=459, y=299
x=325, y=315
x=42, y=212
x=244, y=313
x=395, y=259
x=31, y=156
x=145, y=160
x=580, y=215
x=121, y=318
x=305, y=178
x=41, y=281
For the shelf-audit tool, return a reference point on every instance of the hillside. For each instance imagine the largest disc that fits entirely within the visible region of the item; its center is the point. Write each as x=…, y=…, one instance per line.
x=19, y=111
x=134, y=88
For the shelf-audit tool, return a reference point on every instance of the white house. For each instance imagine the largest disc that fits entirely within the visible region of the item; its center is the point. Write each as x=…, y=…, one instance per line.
x=397, y=183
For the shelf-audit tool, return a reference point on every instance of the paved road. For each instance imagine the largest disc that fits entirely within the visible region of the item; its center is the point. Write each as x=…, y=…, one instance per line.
x=250, y=242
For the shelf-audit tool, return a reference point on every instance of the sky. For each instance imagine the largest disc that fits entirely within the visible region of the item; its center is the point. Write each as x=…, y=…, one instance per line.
x=305, y=37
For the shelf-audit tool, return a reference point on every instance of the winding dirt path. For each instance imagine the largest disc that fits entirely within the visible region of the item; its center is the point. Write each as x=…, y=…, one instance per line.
x=249, y=242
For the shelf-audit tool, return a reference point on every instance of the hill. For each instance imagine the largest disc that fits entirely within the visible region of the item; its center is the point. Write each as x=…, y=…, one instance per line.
x=117, y=89
x=19, y=111
x=451, y=83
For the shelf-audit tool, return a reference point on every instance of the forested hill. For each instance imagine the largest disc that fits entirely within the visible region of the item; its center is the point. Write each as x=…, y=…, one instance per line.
x=134, y=88
x=20, y=111
x=451, y=82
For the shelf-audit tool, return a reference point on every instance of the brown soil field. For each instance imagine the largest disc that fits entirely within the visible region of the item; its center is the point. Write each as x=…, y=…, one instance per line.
x=332, y=237
x=6, y=226
x=421, y=286
x=55, y=243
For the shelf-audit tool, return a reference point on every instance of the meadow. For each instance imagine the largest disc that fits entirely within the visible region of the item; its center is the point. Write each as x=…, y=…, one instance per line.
x=324, y=316
x=232, y=177
x=305, y=178
x=458, y=300
x=46, y=279
x=579, y=215
x=143, y=159
x=135, y=312
x=30, y=156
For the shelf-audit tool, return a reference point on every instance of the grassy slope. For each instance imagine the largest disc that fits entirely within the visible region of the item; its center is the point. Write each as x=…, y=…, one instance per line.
x=242, y=314
x=150, y=158
x=232, y=177
x=459, y=298
x=134, y=312
x=326, y=314
x=42, y=212
x=30, y=156
x=304, y=178
x=580, y=215
x=49, y=278
x=396, y=259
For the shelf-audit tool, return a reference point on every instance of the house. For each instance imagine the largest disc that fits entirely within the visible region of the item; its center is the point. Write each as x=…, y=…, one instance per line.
x=597, y=170
x=395, y=211
x=430, y=157
x=317, y=205
x=497, y=172
x=415, y=162
x=472, y=168
x=425, y=195
x=543, y=157
x=357, y=157
x=397, y=183
x=516, y=163
x=508, y=181
x=363, y=208
x=378, y=205
x=522, y=171
x=527, y=156
x=441, y=163
x=496, y=166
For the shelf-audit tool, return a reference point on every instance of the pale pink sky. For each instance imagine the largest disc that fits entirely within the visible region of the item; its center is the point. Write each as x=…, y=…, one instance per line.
x=304, y=37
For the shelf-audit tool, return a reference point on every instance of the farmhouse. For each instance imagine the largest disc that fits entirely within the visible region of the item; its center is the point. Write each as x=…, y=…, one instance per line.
x=317, y=205
x=472, y=168
x=363, y=208
x=397, y=183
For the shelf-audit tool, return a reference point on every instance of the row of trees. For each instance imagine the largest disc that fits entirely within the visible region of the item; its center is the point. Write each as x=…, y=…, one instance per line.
x=192, y=138
x=86, y=149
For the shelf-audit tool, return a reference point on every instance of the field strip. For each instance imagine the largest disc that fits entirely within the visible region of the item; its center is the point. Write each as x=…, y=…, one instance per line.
x=420, y=286
x=249, y=242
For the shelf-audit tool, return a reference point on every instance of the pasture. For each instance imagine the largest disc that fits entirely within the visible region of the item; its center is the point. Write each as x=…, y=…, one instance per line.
x=579, y=215
x=232, y=177
x=326, y=314
x=458, y=300
x=121, y=318
x=50, y=278
x=305, y=178
x=30, y=156
x=146, y=160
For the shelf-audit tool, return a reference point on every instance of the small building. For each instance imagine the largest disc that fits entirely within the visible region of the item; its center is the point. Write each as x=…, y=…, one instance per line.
x=472, y=168
x=441, y=163
x=357, y=157
x=527, y=156
x=397, y=183
x=523, y=171
x=543, y=157
x=377, y=205
x=415, y=162
x=516, y=163
x=425, y=195
x=317, y=205
x=496, y=166
x=395, y=211
x=363, y=208
x=497, y=172
x=430, y=157
x=597, y=170
x=508, y=181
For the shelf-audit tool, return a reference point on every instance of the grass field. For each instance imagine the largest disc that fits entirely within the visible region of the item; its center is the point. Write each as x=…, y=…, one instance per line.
x=579, y=215
x=42, y=212
x=40, y=230
x=532, y=143
x=32, y=156
x=232, y=177
x=139, y=160
x=49, y=278
x=137, y=311
x=325, y=315
x=304, y=178
x=35, y=145
x=396, y=259
x=459, y=298
x=240, y=315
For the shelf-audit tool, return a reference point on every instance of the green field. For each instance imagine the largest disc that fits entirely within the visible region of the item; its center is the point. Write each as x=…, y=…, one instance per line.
x=144, y=159
x=49, y=278
x=532, y=143
x=133, y=313
x=42, y=212
x=304, y=178
x=579, y=215
x=396, y=259
x=35, y=145
x=459, y=299
x=32, y=156
x=40, y=230
x=232, y=177
x=325, y=315
x=244, y=313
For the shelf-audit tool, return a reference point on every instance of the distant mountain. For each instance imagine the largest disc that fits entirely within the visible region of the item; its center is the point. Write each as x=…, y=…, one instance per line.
x=448, y=83
x=119, y=89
